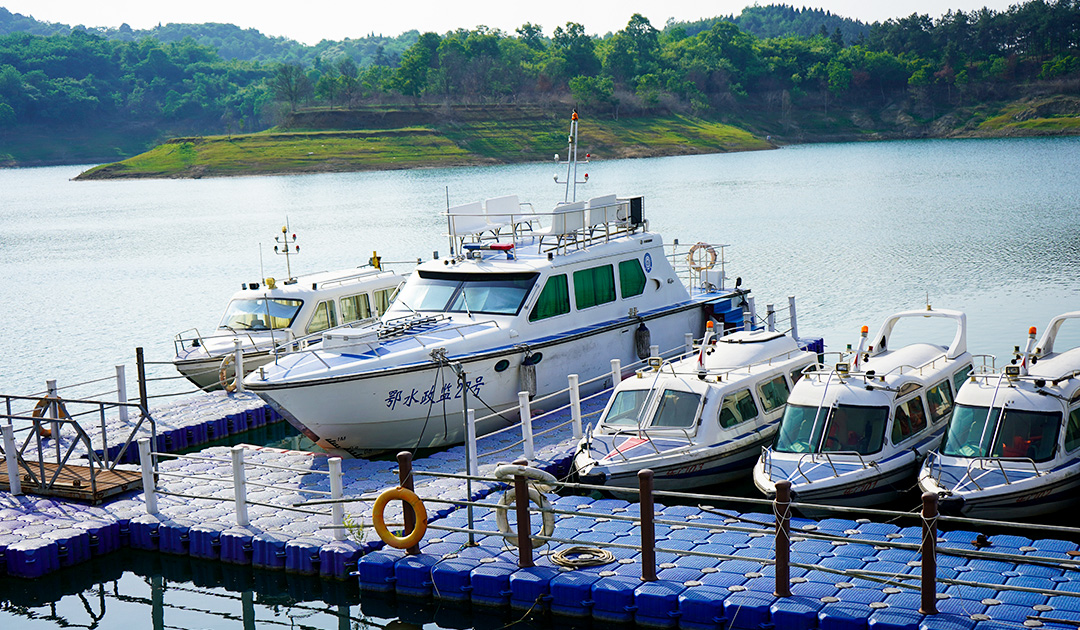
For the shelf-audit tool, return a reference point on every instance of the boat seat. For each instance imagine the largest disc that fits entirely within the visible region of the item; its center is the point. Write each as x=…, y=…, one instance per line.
x=502, y=212
x=467, y=220
x=566, y=220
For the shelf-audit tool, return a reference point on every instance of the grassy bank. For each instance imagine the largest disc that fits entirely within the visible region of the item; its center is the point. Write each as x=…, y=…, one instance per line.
x=454, y=138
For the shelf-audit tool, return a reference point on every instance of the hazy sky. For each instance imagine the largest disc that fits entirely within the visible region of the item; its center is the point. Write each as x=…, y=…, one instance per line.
x=314, y=20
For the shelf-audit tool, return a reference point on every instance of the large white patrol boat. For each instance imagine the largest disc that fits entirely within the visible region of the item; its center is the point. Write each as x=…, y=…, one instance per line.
x=1012, y=449
x=855, y=434
x=699, y=420
x=516, y=307
x=270, y=316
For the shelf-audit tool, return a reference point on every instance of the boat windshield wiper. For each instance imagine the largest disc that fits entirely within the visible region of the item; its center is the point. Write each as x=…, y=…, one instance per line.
x=465, y=297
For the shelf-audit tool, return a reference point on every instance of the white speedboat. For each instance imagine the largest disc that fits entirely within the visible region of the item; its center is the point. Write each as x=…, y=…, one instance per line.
x=699, y=420
x=855, y=434
x=1012, y=449
x=271, y=316
x=516, y=307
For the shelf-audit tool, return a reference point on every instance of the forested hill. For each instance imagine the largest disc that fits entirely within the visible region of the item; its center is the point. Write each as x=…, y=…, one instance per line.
x=82, y=94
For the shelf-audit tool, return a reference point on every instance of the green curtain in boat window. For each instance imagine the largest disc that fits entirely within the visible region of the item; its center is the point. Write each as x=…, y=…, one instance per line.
x=554, y=299
x=631, y=278
x=594, y=286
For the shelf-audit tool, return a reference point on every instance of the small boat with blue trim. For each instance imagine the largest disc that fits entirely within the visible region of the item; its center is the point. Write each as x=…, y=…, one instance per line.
x=524, y=299
x=1012, y=449
x=854, y=434
x=700, y=419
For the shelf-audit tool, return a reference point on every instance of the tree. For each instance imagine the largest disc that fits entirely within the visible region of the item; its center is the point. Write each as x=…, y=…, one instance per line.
x=532, y=35
x=576, y=49
x=291, y=84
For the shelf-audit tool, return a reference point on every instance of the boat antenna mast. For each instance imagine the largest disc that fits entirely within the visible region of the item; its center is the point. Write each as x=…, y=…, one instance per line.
x=571, y=162
x=286, y=244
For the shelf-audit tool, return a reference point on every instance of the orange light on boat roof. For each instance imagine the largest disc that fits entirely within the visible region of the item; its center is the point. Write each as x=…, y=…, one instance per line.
x=709, y=324
x=865, y=329
x=1031, y=331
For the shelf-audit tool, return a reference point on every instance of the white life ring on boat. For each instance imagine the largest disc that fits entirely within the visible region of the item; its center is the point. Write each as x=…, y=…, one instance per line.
x=503, y=522
x=506, y=472
x=703, y=261
x=223, y=374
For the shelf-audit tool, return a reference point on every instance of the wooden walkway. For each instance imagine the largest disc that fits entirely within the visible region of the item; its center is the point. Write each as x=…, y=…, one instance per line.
x=73, y=482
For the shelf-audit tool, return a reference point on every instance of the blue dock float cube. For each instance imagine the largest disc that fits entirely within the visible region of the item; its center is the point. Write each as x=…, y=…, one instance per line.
x=658, y=603
x=531, y=587
x=205, y=541
x=491, y=583
x=197, y=434
x=702, y=608
x=844, y=616
x=796, y=612
x=236, y=423
x=236, y=545
x=375, y=570
x=145, y=532
x=217, y=429
x=413, y=575
x=571, y=593
x=32, y=558
x=613, y=598
x=944, y=621
x=174, y=536
x=452, y=578
x=302, y=556
x=895, y=619
x=72, y=545
x=104, y=536
x=748, y=610
x=338, y=559
x=268, y=550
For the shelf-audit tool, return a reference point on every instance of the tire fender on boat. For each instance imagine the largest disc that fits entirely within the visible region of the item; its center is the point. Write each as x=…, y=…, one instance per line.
x=410, y=497
x=541, y=501
x=223, y=374
x=706, y=260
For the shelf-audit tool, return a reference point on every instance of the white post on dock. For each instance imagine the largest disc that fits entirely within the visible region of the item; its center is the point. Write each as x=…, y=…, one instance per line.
x=54, y=413
x=770, y=317
x=688, y=341
x=148, y=484
x=751, y=310
x=337, y=510
x=526, y=424
x=121, y=392
x=238, y=362
x=791, y=316
x=470, y=443
x=654, y=351
x=575, y=404
x=11, y=454
x=240, y=486
x=616, y=372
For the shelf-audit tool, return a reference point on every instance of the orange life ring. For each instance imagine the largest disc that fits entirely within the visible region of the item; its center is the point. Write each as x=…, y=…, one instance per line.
x=407, y=496
x=43, y=405
x=708, y=258
x=223, y=375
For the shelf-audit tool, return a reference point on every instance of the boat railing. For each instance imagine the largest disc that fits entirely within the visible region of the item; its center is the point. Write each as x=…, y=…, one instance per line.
x=191, y=339
x=703, y=266
x=827, y=456
x=580, y=223
x=367, y=271
x=999, y=464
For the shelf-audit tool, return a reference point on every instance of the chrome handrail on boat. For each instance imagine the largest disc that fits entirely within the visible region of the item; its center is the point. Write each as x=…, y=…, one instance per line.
x=999, y=462
x=828, y=458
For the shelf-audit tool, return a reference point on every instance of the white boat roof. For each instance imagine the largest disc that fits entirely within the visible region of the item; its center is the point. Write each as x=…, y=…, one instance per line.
x=319, y=283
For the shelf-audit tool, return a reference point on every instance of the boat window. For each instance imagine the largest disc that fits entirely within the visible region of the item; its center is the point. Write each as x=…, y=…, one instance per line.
x=800, y=429
x=323, y=318
x=382, y=300
x=355, y=307
x=858, y=429
x=554, y=299
x=594, y=286
x=737, y=408
x=796, y=374
x=968, y=435
x=774, y=393
x=939, y=398
x=908, y=420
x=961, y=376
x=631, y=278
x=488, y=293
x=907, y=388
x=676, y=409
x=260, y=314
x=626, y=407
x=1072, y=432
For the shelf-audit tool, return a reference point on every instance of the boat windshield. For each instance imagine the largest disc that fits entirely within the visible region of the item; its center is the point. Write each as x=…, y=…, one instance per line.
x=626, y=407
x=842, y=428
x=975, y=432
x=488, y=293
x=260, y=314
x=676, y=409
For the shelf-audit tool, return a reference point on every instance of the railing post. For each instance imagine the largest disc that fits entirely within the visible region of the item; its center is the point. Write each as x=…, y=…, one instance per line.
x=648, y=528
x=240, y=486
x=471, y=468
x=688, y=341
x=616, y=372
x=146, y=460
x=791, y=317
x=575, y=404
x=524, y=521
x=54, y=414
x=753, y=311
x=654, y=351
x=526, y=423
x=928, y=553
x=140, y=369
x=11, y=454
x=238, y=363
x=405, y=480
x=748, y=320
x=782, y=511
x=770, y=317
x=337, y=510
x=121, y=392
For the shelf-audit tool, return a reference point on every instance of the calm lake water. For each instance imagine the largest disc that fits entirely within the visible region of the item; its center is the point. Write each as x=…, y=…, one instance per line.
x=92, y=270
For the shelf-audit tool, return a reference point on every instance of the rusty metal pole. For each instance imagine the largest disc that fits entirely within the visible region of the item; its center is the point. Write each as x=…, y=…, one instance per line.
x=648, y=528
x=928, y=551
x=524, y=521
x=782, y=511
x=405, y=480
